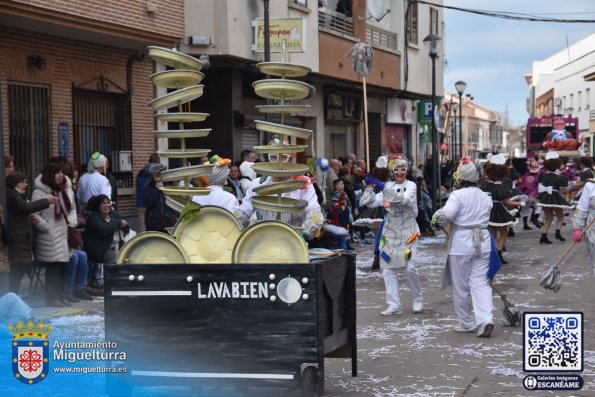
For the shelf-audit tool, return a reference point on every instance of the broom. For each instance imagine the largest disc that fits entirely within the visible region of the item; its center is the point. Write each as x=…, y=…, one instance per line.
x=550, y=278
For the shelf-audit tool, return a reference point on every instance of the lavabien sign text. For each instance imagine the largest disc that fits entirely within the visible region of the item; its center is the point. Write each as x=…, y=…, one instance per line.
x=234, y=289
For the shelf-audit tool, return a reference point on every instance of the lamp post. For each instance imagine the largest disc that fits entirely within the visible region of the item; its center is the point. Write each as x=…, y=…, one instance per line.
x=460, y=86
x=455, y=154
x=432, y=43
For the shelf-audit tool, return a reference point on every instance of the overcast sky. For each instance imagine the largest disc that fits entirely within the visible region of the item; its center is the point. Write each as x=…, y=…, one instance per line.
x=492, y=55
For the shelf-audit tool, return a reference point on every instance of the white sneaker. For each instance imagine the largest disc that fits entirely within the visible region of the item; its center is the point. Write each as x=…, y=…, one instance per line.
x=458, y=328
x=418, y=307
x=485, y=329
x=391, y=312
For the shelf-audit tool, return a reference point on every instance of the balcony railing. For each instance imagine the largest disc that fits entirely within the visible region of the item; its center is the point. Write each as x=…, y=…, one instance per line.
x=335, y=22
x=381, y=38
x=592, y=115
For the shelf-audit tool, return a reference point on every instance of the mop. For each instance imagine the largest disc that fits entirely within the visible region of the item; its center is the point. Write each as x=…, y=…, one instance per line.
x=550, y=278
x=511, y=313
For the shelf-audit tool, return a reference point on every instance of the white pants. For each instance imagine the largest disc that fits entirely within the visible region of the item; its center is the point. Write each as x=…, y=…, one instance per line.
x=471, y=291
x=391, y=283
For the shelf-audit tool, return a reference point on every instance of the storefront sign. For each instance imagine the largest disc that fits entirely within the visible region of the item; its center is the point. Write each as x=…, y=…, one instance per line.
x=399, y=111
x=283, y=32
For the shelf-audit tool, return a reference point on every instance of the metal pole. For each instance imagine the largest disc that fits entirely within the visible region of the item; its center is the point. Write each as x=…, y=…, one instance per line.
x=454, y=139
x=435, y=152
x=460, y=125
x=267, y=39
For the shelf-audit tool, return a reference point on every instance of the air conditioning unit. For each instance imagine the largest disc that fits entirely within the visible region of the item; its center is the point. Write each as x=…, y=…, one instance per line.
x=558, y=101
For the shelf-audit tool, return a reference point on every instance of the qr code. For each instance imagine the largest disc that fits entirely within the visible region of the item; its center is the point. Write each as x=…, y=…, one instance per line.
x=553, y=341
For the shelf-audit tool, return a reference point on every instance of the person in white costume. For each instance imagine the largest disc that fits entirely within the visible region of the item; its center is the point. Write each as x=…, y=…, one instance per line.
x=398, y=237
x=585, y=212
x=218, y=178
x=311, y=219
x=469, y=247
x=94, y=182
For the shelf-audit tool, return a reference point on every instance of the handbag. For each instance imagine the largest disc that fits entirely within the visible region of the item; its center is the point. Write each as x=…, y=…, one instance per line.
x=7, y=236
x=73, y=237
x=75, y=240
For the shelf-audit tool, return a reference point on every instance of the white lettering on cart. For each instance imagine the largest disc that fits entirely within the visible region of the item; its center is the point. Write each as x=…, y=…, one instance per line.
x=242, y=290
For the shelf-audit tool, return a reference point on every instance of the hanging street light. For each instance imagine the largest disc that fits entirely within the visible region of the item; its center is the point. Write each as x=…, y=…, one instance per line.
x=432, y=44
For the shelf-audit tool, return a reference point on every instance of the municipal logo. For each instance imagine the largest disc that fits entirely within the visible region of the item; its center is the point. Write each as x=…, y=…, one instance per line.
x=30, y=351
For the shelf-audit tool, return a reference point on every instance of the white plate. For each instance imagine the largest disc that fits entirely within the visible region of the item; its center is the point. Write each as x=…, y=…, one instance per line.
x=177, y=78
x=270, y=242
x=152, y=248
x=282, y=69
x=183, y=153
x=177, y=174
x=286, y=169
x=282, y=89
x=177, y=98
x=176, y=117
x=173, y=58
x=210, y=237
x=199, y=133
x=282, y=129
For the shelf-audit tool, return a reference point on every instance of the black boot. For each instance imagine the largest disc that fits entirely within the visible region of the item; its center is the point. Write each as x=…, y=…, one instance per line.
x=504, y=262
x=535, y=221
x=544, y=239
x=376, y=263
x=559, y=236
x=525, y=224
x=511, y=231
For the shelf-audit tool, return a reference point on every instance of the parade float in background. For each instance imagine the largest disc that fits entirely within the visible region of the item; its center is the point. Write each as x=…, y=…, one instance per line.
x=214, y=306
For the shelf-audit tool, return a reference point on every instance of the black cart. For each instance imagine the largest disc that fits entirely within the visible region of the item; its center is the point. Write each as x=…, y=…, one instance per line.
x=246, y=328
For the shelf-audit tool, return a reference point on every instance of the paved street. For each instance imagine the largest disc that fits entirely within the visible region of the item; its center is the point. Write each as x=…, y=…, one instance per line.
x=420, y=354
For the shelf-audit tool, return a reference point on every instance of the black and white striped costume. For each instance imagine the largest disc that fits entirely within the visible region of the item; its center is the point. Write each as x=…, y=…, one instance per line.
x=549, y=190
x=498, y=191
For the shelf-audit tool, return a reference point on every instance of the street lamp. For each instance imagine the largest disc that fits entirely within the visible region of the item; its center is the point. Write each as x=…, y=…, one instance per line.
x=460, y=86
x=432, y=43
x=455, y=156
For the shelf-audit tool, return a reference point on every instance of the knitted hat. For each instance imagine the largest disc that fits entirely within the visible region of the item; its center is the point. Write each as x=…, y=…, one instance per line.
x=97, y=160
x=466, y=171
x=220, y=172
x=397, y=162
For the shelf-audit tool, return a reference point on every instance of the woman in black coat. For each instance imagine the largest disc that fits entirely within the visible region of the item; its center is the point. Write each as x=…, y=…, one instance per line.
x=102, y=223
x=20, y=223
x=157, y=215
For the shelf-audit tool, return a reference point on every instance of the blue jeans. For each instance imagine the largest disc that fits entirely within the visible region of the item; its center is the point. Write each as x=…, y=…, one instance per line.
x=77, y=266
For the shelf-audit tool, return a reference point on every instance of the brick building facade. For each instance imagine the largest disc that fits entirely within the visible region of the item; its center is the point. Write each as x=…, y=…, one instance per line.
x=83, y=66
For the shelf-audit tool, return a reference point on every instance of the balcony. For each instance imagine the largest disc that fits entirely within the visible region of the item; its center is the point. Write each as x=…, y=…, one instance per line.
x=377, y=37
x=335, y=22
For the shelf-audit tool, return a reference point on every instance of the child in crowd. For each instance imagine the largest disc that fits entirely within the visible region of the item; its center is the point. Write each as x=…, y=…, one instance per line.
x=339, y=215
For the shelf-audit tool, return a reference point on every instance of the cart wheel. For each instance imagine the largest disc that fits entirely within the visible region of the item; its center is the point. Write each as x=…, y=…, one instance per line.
x=309, y=381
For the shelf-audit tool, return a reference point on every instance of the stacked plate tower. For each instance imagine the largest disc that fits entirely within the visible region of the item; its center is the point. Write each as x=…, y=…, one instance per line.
x=184, y=79
x=282, y=90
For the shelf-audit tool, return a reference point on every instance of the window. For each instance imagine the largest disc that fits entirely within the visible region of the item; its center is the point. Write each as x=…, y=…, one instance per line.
x=303, y=3
x=29, y=127
x=579, y=100
x=434, y=21
x=412, y=23
x=101, y=123
x=587, y=98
